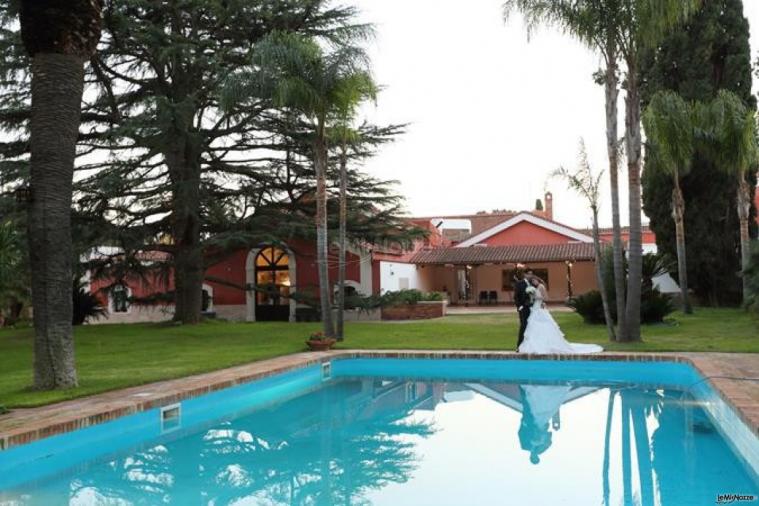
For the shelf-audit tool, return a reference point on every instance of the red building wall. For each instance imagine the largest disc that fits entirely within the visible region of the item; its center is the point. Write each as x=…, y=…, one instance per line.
x=231, y=276
x=648, y=236
x=526, y=233
x=139, y=287
x=233, y=270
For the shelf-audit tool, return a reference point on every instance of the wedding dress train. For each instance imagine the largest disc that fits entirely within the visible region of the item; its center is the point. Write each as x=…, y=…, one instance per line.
x=543, y=335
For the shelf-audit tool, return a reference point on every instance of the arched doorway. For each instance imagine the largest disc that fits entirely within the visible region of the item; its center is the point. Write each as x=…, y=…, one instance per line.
x=272, y=278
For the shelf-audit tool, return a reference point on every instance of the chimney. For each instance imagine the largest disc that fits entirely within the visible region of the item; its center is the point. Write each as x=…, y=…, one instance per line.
x=548, y=212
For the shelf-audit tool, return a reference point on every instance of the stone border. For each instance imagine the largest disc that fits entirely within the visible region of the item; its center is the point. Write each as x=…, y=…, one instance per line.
x=735, y=377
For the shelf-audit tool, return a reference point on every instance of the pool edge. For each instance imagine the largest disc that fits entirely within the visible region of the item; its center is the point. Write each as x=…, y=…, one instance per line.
x=24, y=426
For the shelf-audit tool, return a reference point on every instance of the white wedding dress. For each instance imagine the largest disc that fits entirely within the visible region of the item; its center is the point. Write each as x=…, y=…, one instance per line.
x=543, y=335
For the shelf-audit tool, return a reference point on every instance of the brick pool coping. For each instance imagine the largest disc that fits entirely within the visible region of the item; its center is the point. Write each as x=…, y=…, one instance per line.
x=734, y=376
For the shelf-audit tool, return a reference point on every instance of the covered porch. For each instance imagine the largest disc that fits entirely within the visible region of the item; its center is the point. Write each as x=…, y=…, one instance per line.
x=483, y=276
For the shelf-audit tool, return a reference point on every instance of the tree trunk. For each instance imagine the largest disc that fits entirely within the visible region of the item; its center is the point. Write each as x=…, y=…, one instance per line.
x=342, y=243
x=188, y=282
x=635, y=247
x=322, y=244
x=678, y=213
x=744, y=211
x=57, y=86
x=184, y=170
x=612, y=148
x=600, y=277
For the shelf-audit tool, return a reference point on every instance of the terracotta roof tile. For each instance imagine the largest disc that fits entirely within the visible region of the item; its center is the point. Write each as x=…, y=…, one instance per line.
x=505, y=254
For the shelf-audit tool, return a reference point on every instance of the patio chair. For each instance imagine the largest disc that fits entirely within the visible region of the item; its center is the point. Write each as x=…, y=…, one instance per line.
x=493, y=297
x=483, y=298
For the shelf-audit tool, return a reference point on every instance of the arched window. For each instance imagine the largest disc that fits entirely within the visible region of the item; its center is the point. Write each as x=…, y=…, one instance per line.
x=272, y=284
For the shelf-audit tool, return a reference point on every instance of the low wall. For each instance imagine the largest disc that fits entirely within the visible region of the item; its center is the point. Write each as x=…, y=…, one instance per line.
x=418, y=311
x=355, y=315
x=233, y=313
x=138, y=314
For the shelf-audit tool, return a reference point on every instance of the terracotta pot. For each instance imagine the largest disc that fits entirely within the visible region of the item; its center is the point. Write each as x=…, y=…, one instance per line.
x=320, y=344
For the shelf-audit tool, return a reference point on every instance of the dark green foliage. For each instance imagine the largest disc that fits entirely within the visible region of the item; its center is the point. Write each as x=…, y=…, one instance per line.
x=710, y=53
x=753, y=278
x=590, y=307
x=14, y=272
x=3, y=409
x=654, y=305
x=409, y=297
x=400, y=297
x=86, y=305
x=174, y=173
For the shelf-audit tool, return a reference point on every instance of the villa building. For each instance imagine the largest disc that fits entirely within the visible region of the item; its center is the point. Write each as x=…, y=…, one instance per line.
x=471, y=258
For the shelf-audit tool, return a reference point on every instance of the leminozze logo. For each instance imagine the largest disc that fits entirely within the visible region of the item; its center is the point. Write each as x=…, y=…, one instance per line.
x=733, y=498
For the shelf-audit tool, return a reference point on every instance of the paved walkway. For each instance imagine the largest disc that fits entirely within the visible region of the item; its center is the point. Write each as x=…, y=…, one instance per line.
x=734, y=376
x=506, y=309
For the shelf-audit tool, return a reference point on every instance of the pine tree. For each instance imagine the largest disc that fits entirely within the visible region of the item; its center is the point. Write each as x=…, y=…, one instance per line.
x=711, y=52
x=161, y=166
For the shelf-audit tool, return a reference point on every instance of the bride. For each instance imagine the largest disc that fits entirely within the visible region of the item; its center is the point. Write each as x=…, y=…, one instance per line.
x=543, y=334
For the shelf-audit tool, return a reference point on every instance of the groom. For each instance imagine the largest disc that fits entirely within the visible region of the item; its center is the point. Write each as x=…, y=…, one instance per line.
x=522, y=301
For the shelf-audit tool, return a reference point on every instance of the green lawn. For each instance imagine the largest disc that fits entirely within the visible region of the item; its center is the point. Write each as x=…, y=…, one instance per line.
x=117, y=356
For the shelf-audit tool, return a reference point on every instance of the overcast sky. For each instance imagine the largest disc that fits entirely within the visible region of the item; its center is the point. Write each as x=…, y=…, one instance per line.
x=491, y=114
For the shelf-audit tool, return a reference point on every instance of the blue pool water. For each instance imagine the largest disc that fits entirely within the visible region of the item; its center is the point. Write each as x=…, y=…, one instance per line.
x=411, y=432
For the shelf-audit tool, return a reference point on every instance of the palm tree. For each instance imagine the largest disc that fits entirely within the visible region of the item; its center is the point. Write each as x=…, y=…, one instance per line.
x=643, y=24
x=595, y=24
x=297, y=74
x=342, y=237
x=584, y=182
x=617, y=28
x=60, y=36
x=668, y=121
x=362, y=89
x=737, y=152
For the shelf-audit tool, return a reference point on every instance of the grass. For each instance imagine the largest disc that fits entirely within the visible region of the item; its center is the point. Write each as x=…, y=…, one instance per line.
x=118, y=356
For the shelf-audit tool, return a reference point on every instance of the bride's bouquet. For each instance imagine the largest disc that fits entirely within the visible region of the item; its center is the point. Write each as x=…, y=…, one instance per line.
x=531, y=291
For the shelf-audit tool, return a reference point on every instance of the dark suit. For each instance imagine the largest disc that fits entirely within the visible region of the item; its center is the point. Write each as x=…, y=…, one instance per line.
x=522, y=301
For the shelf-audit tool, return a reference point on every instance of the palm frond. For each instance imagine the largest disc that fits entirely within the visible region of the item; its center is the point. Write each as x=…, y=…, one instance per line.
x=668, y=121
x=583, y=180
x=734, y=131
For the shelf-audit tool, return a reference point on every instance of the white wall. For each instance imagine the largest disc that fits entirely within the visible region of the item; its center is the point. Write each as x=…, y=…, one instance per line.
x=365, y=287
x=665, y=283
x=396, y=276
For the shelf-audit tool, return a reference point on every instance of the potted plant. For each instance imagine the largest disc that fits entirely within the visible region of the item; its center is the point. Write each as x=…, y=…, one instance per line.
x=319, y=342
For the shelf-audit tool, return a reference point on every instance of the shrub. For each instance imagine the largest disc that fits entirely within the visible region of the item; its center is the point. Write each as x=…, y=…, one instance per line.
x=363, y=303
x=3, y=409
x=367, y=303
x=654, y=305
x=590, y=306
x=86, y=305
x=409, y=297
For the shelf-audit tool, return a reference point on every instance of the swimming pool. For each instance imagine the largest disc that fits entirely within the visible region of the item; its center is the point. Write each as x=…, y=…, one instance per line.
x=411, y=431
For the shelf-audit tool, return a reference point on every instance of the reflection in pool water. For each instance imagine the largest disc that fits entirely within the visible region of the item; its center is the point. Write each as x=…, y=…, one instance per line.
x=388, y=441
